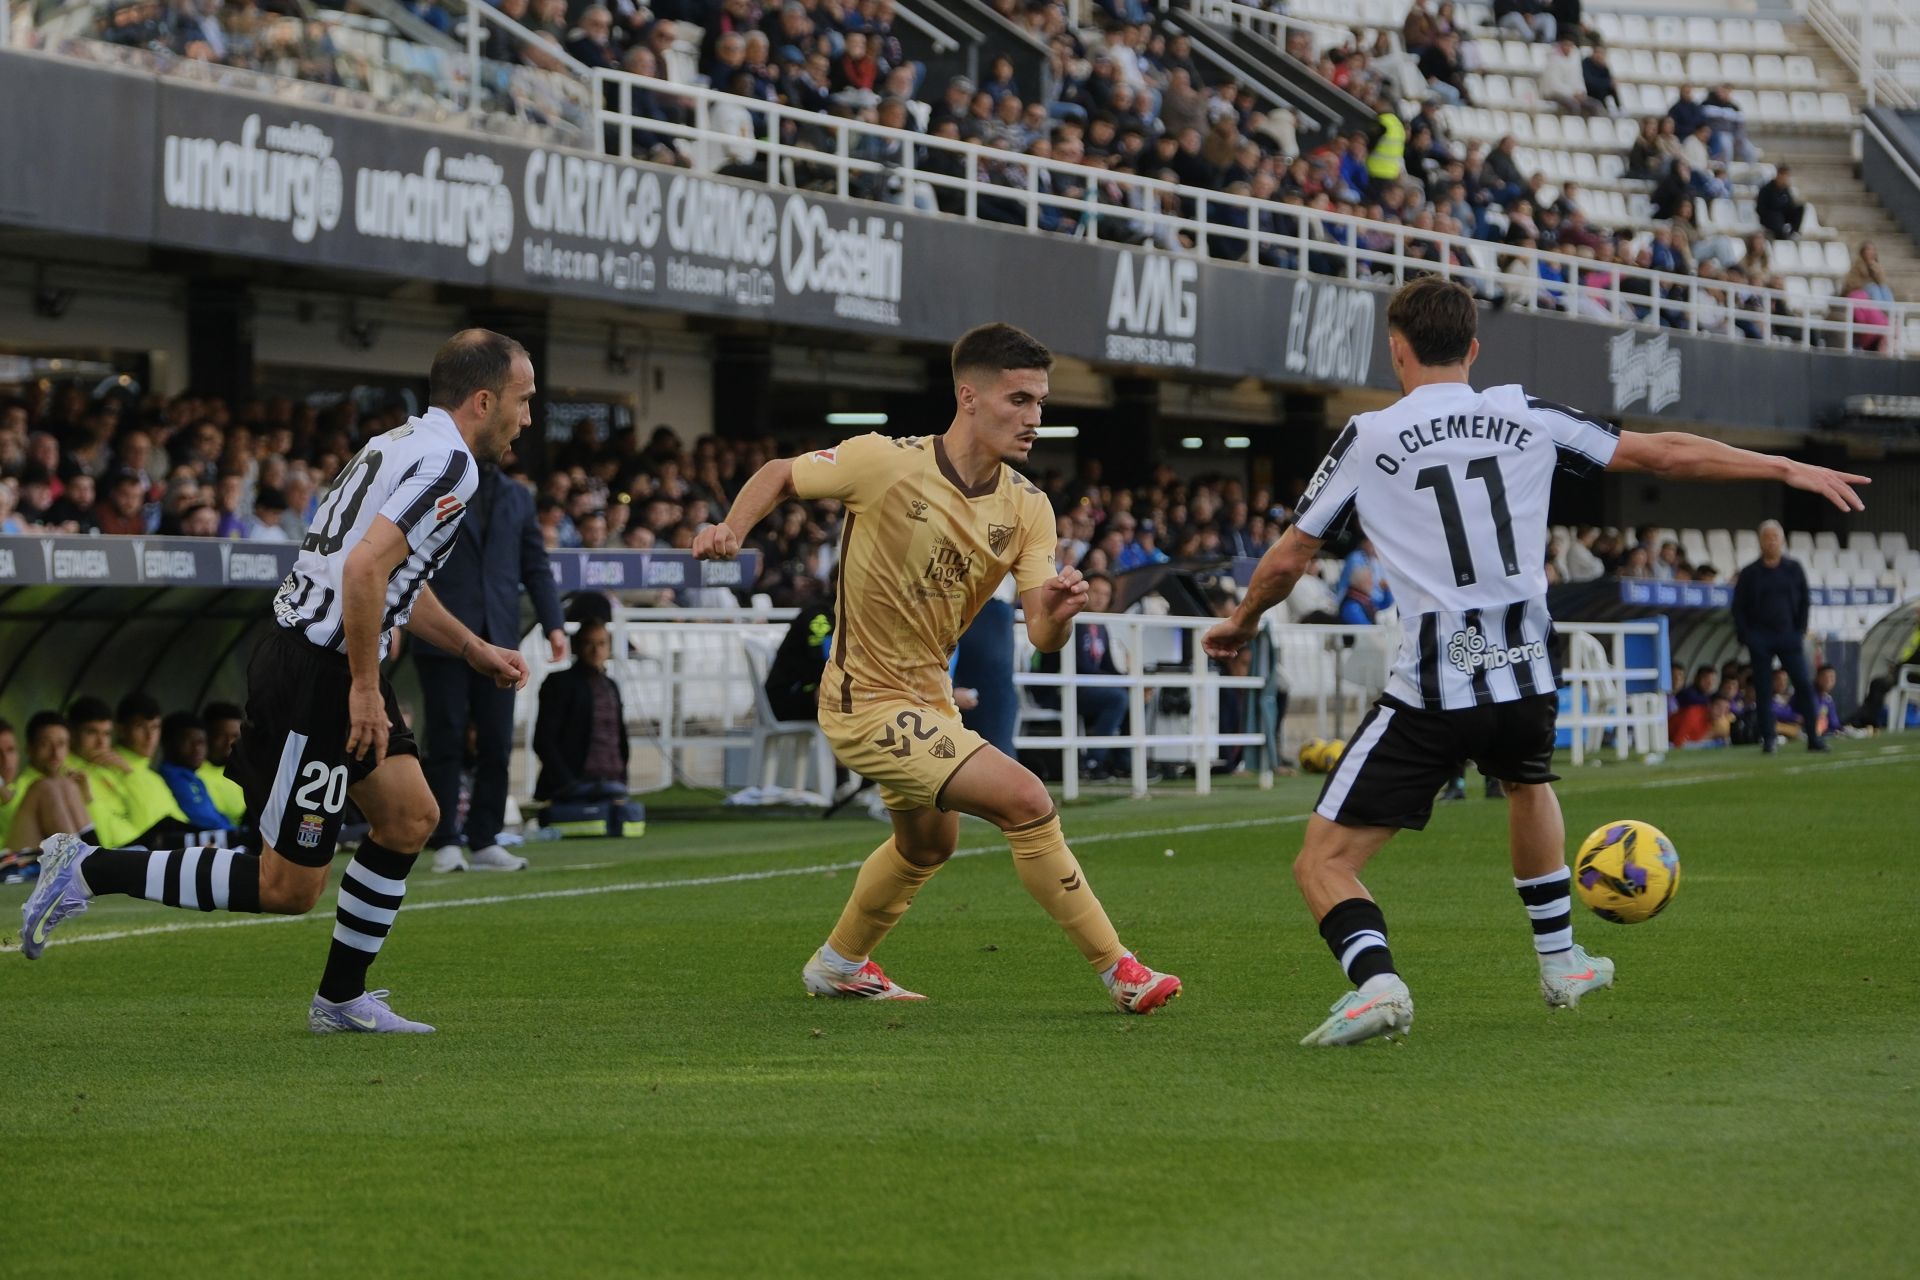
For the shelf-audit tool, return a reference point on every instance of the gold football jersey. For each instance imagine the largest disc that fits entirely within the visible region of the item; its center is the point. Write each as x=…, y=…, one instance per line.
x=919, y=554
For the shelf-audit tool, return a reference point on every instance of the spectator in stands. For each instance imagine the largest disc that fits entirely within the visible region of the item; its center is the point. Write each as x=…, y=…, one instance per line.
x=1599, y=78
x=1358, y=606
x=183, y=755
x=1672, y=190
x=1866, y=299
x=124, y=510
x=857, y=68
x=1527, y=19
x=1439, y=65
x=1568, y=20
x=222, y=721
x=1418, y=30
x=1563, y=81
x=1775, y=205
x=1645, y=159
x=1685, y=112
x=1770, y=602
x=269, y=509
x=1705, y=179
x=130, y=803
x=591, y=43
x=1783, y=707
x=1729, y=125
x=580, y=735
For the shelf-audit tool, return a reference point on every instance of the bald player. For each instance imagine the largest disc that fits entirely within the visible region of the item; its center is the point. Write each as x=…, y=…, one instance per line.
x=933, y=524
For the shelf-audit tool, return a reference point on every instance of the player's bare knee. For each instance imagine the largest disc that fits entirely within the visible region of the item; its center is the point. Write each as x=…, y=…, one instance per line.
x=409, y=830
x=1026, y=803
x=290, y=897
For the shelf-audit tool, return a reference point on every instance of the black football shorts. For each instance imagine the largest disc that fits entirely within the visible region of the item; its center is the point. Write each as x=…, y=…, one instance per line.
x=1400, y=757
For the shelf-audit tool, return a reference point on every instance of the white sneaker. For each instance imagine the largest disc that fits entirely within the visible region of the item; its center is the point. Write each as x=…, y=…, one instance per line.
x=449, y=858
x=1567, y=976
x=1388, y=1012
x=494, y=858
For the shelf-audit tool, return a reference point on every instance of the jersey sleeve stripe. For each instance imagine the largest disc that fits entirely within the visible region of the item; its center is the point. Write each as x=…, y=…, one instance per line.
x=1548, y=406
x=448, y=480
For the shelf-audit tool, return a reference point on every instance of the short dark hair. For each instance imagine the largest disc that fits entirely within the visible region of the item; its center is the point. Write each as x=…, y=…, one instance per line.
x=176, y=724
x=999, y=347
x=86, y=710
x=1437, y=318
x=222, y=711
x=6, y=725
x=43, y=720
x=471, y=360
x=137, y=706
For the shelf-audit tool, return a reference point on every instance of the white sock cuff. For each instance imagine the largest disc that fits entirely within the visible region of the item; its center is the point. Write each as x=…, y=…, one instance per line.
x=1564, y=873
x=838, y=963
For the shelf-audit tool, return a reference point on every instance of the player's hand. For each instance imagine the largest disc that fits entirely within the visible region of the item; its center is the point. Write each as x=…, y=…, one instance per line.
x=82, y=784
x=966, y=699
x=1063, y=595
x=505, y=667
x=1227, y=637
x=367, y=723
x=716, y=542
x=557, y=645
x=1835, y=486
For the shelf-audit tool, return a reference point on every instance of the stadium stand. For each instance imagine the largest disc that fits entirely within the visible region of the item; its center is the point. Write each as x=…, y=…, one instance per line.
x=1178, y=127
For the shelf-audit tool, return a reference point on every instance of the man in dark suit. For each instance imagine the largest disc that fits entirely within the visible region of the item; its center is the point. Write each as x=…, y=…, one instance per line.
x=498, y=551
x=580, y=736
x=1770, y=602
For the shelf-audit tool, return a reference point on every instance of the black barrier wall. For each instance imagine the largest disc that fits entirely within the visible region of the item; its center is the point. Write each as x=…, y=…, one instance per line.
x=175, y=165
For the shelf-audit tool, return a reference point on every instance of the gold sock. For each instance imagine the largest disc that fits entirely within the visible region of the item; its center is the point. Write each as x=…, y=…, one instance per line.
x=881, y=895
x=1052, y=875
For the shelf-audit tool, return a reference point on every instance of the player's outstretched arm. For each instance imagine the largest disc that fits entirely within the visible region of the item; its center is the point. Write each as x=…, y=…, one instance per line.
x=1285, y=562
x=771, y=485
x=1678, y=455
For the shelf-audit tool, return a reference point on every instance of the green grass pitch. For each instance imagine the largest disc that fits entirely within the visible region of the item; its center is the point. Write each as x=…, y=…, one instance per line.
x=628, y=1081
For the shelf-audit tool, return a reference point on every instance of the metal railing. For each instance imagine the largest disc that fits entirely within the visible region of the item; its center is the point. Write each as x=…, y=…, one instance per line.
x=1878, y=39
x=1595, y=679
x=805, y=150
x=1274, y=27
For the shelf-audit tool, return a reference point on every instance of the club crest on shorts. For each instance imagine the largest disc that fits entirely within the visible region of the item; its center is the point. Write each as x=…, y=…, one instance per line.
x=998, y=535
x=311, y=825
x=943, y=749
x=447, y=508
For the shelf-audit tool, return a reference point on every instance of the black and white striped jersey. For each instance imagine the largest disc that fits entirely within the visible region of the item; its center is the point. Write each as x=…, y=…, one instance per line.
x=420, y=476
x=1451, y=484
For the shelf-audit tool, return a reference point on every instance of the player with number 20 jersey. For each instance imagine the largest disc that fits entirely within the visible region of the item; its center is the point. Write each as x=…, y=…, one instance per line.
x=1452, y=486
x=321, y=723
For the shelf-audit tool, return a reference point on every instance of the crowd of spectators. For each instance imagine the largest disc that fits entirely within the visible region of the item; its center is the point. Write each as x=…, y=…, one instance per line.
x=1720, y=707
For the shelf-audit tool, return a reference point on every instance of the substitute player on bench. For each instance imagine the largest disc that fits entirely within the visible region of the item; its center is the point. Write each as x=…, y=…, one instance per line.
x=933, y=524
x=1452, y=486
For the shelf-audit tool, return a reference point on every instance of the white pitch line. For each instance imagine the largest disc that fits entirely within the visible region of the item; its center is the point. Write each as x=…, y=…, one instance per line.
x=638, y=886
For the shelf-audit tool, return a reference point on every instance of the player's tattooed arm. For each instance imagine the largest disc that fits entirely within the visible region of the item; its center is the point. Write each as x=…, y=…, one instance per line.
x=770, y=486
x=1284, y=564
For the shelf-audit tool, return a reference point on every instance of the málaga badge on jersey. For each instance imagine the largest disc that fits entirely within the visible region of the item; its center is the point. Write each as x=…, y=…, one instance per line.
x=311, y=825
x=447, y=508
x=998, y=535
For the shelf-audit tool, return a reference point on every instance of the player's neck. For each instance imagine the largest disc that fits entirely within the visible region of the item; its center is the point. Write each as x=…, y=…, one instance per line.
x=970, y=458
x=1415, y=376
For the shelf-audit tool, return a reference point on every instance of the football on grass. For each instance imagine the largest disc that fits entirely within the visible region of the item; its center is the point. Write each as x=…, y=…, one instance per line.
x=1627, y=871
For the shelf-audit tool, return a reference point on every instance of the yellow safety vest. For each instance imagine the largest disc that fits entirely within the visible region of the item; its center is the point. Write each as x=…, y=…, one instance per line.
x=1386, y=160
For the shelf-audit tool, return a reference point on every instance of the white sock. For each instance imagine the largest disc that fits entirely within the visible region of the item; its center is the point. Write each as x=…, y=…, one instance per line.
x=1380, y=982
x=1106, y=974
x=838, y=963
x=79, y=877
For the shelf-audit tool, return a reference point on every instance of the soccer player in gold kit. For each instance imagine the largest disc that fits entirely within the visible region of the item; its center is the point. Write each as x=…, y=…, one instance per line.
x=933, y=523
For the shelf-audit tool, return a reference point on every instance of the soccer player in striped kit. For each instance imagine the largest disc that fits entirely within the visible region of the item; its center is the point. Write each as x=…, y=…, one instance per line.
x=322, y=723
x=1452, y=486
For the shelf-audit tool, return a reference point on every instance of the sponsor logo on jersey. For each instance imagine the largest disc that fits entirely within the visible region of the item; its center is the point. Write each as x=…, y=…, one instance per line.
x=948, y=565
x=998, y=535
x=447, y=508
x=1636, y=369
x=311, y=825
x=1153, y=311
x=1470, y=651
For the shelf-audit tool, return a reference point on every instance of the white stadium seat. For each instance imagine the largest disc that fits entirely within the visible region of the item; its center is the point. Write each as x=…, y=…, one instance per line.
x=1702, y=31
x=1800, y=70
x=1839, y=261
x=1894, y=544
x=1769, y=33
x=1786, y=256
x=1634, y=29
x=1826, y=541
x=1703, y=67
x=1736, y=33
x=1769, y=69
x=1736, y=68
x=1834, y=108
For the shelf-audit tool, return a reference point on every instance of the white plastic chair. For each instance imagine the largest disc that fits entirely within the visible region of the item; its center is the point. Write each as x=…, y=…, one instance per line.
x=814, y=757
x=1905, y=693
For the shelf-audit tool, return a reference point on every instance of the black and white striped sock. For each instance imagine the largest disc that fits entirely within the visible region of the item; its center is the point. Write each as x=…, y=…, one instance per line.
x=370, y=896
x=1356, y=933
x=1549, y=903
x=196, y=878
